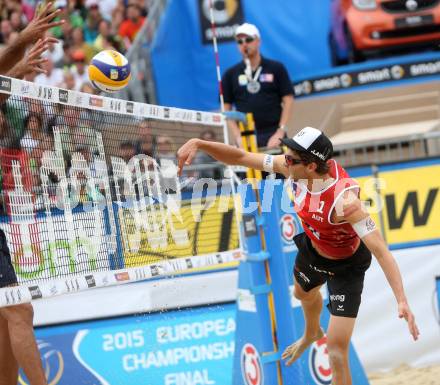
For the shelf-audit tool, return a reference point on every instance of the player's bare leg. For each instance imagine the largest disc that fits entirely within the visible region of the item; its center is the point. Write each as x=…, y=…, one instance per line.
x=311, y=303
x=8, y=364
x=339, y=334
x=21, y=335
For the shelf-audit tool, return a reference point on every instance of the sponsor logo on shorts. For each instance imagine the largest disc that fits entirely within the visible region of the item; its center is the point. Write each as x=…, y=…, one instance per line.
x=304, y=277
x=337, y=297
x=35, y=292
x=251, y=368
x=320, y=270
x=166, y=113
x=63, y=96
x=90, y=279
x=5, y=84
x=318, y=362
x=189, y=263
x=199, y=116
x=120, y=277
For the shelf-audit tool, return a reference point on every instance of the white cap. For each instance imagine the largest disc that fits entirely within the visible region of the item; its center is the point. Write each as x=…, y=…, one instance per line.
x=60, y=3
x=91, y=3
x=247, y=29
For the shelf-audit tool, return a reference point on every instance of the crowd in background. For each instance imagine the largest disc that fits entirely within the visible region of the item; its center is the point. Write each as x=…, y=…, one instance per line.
x=90, y=26
x=27, y=125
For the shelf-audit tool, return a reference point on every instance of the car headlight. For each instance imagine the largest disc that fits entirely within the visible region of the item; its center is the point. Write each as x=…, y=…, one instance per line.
x=365, y=5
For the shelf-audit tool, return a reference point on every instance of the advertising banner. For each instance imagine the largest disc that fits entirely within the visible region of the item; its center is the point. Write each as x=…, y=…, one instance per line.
x=412, y=202
x=227, y=14
x=183, y=347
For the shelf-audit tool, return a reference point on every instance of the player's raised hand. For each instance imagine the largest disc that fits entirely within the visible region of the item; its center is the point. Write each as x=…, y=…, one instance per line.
x=406, y=313
x=42, y=21
x=186, y=154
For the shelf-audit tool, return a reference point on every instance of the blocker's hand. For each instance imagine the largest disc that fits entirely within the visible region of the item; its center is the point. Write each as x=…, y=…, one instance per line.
x=41, y=22
x=186, y=154
x=406, y=313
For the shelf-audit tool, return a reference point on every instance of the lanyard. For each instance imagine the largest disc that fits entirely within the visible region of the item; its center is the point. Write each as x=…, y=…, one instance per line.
x=248, y=72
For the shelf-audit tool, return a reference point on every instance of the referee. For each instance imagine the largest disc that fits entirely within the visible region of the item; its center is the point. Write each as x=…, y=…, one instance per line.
x=260, y=86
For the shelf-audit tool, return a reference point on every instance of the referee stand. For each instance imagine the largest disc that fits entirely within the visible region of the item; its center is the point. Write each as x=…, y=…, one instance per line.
x=269, y=318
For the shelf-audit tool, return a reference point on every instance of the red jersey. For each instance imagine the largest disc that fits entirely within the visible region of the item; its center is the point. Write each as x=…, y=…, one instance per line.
x=315, y=209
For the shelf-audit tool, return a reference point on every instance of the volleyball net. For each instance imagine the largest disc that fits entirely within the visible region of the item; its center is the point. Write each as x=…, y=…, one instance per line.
x=91, y=197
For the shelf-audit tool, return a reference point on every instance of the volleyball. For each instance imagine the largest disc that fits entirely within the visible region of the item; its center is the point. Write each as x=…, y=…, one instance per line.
x=109, y=71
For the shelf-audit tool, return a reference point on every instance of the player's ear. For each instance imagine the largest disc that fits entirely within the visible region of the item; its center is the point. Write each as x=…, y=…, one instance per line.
x=312, y=166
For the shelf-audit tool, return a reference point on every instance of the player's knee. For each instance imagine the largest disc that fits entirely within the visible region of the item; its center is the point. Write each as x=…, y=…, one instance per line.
x=337, y=354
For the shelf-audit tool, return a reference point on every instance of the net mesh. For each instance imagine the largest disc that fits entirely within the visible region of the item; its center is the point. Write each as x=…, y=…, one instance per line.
x=89, y=184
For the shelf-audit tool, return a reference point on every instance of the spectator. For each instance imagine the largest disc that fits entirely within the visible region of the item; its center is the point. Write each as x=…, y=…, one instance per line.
x=52, y=76
x=127, y=150
x=106, y=40
x=91, y=26
x=132, y=23
x=79, y=69
x=166, y=150
x=77, y=44
x=69, y=82
x=72, y=17
x=5, y=31
x=260, y=86
x=55, y=52
x=147, y=141
x=31, y=142
x=106, y=8
x=16, y=21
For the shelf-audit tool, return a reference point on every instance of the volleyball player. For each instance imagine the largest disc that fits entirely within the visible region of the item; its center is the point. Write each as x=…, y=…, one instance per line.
x=17, y=341
x=336, y=246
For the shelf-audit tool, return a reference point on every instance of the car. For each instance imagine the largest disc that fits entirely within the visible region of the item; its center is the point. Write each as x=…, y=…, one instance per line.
x=362, y=28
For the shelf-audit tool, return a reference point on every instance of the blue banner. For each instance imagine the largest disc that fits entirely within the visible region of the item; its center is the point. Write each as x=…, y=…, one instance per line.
x=193, y=346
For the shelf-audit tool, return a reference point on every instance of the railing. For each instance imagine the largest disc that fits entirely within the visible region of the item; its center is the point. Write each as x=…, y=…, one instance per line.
x=142, y=87
x=416, y=146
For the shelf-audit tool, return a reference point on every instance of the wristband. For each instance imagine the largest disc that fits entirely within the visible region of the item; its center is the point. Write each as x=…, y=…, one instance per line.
x=268, y=163
x=364, y=227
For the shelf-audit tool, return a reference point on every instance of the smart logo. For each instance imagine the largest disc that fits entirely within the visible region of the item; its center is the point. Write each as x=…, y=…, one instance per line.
x=318, y=362
x=251, y=367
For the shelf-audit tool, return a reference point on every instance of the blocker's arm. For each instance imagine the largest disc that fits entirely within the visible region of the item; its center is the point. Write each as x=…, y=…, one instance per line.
x=230, y=155
x=356, y=215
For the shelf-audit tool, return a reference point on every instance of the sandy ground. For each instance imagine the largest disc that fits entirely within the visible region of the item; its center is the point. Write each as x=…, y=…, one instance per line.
x=405, y=375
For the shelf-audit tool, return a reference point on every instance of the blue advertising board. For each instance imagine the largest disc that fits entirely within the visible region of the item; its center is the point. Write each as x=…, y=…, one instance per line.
x=191, y=347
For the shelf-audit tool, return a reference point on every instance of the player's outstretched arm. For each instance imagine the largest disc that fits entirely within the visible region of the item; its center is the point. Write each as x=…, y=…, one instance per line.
x=357, y=216
x=229, y=155
x=35, y=30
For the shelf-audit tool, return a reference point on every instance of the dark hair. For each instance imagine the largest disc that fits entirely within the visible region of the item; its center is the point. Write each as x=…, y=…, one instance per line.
x=31, y=116
x=321, y=166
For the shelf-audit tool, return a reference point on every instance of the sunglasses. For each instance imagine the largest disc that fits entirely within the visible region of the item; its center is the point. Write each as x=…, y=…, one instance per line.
x=245, y=40
x=291, y=161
